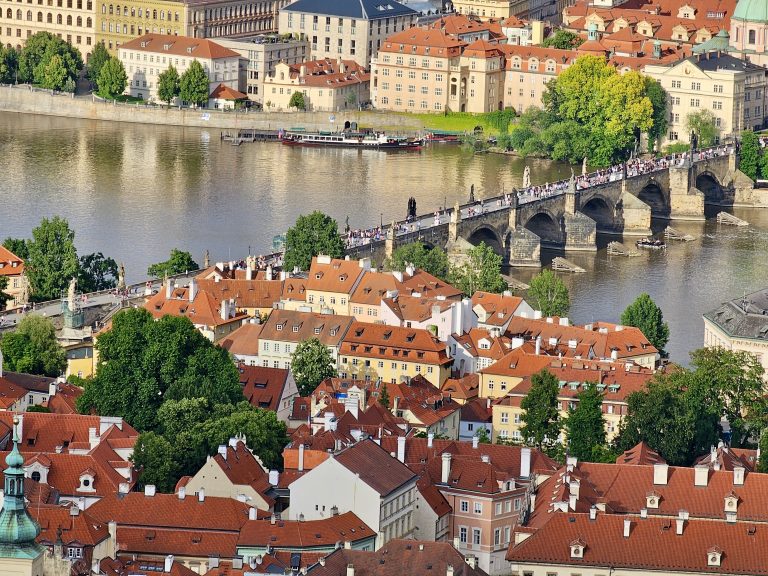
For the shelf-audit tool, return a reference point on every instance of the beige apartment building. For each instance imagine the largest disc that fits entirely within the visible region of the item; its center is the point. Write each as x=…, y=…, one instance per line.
x=527, y=71
x=347, y=29
x=733, y=90
x=145, y=58
x=485, y=9
x=70, y=20
x=327, y=85
x=264, y=53
x=419, y=70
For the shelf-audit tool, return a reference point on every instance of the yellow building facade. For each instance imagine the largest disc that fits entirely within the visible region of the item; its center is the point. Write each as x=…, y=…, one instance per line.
x=486, y=9
x=117, y=23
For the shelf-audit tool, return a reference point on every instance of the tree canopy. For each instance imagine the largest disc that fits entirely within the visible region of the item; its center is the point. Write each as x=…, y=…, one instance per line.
x=18, y=246
x=749, y=157
x=549, y=294
x=112, y=78
x=311, y=363
x=168, y=85
x=9, y=65
x=480, y=270
x=704, y=124
x=32, y=348
x=96, y=273
x=563, y=40
x=584, y=425
x=4, y=297
x=179, y=262
x=313, y=234
x=52, y=258
x=590, y=111
x=645, y=315
x=143, y=362
x=432, y=260
x=49, y=61
x=193, y=84
x=541, y=419
x=99, y=57
x=297, y=100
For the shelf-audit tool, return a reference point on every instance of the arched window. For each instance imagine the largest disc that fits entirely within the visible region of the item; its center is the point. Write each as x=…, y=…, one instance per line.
x=18, y=15
x=39, y=16
x=49, y=18
x=111, y=9
x=69, y=3
x=125, y=29
x=154, y=14
x=117, y=10
x=69, y=20
x=88, y=22
x=58, y=19
x=79, y=21
x=36, y=476
x=752, y=37
x=9, y=14
x=103, y=8
x=133, y=12
x=162, y=14
x=29, y=15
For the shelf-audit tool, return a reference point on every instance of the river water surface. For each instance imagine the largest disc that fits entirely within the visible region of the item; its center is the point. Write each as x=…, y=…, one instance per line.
x=134, y=192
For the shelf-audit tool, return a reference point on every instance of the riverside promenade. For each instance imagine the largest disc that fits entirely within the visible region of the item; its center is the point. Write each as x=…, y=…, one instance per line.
x=25, y=99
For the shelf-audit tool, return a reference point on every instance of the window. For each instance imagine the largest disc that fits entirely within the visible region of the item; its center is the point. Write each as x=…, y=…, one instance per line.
x=464, y=506
x=694, y=102
x=751, y=37
x=463, y=534
x=677, y=83
x=498, y=509
x=497, y=537
x=478, y=508
x=504, y=416
x=695, y=85
x=718, y=88
x=476, y=536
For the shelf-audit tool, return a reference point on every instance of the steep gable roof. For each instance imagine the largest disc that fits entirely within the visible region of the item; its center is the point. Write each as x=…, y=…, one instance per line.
x=375, y=466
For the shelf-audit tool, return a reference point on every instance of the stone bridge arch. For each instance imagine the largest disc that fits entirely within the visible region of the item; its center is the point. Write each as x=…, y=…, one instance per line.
x=712, y=188
x=488, y=234
x=602, y=211
x=654, y=195
x=548, y=227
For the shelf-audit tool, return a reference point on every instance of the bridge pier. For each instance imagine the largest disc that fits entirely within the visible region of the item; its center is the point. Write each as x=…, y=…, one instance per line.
x=636, y=215
x=686, y=202
x=523, y=248
x=580, y=233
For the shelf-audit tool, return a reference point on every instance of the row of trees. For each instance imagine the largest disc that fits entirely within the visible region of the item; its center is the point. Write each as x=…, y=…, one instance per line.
x=46, y=60
x=592, y=111
x=679, y=414
x=753, y=160
x=51, y=261
x=33, y=348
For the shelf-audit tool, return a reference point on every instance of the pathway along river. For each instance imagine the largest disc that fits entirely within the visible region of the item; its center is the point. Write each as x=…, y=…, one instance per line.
x=134, y=192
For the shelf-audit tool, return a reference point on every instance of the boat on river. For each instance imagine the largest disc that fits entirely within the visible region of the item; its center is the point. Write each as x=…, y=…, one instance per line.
x=651, y=244
x=361, y=140
x=443, y=137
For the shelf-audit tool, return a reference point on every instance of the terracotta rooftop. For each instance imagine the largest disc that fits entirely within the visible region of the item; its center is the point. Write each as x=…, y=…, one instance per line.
x=179, y=46
x=464, y=388
x=393, y=343
x=224, y=92
x=263, y=387
x=295, y=326
x=477, y=410
x=10, y=264
x=495, y=309
x=334, y=275
x=293, y=534
x=76, y=526
x=203, y=309
x=375, y=466
x=242, y=468
x=640, y=455
x=243, y=341
x=142, y=567
x=247, y=293
x=418, y=41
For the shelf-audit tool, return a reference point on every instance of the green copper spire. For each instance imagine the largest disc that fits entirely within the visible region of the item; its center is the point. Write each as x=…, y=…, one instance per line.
x=17, y=528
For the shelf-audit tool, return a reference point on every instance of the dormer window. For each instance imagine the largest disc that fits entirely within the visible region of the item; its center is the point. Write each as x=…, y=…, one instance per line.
x=279, y=327
x=714, y=556
x=652, y=501
x=577, y=548
x=295, y=327
x=86, y=482
x=731, y=502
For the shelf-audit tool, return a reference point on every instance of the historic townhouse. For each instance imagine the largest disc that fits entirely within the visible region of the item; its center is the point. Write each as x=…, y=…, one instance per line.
x=70, y=20
x=346, y=29
x=486, y=9
x=12, y=267
x=527, y=69
x=733, y=90
x=329, y=285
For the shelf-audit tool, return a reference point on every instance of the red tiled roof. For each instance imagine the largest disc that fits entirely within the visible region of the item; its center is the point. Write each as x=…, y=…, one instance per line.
x=242, y=469
x=243, y=341
x=204, y=309
x=10, y=393
x=391, y=342
x=246, y=293
x=464, y=388
x=179, y=46
x=142, y=567
x=375, y=466
x=186, y=542
x=10, y=264
x=339, y=276
x=433, y=497
x=80, y=527
x=417, y=40
x=294, y=534
x=477, y=410
x=640, y=455
x=224, y=92
x=263, y=387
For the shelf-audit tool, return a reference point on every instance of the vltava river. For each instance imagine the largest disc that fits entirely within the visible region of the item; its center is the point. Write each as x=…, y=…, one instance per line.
x=134, y=192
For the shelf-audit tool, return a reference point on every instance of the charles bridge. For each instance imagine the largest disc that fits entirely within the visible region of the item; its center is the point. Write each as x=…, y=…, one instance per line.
x=517, y=226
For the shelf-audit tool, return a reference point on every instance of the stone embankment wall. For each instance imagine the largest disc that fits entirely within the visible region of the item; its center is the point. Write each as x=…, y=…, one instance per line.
x=27, y=100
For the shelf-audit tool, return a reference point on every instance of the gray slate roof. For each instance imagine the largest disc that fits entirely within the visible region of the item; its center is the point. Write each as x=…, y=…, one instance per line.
x=713, y=62
x=362, y=9
x=744, y=318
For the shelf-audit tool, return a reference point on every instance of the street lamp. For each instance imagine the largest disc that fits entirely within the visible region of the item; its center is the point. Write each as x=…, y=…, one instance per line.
x=381, y=220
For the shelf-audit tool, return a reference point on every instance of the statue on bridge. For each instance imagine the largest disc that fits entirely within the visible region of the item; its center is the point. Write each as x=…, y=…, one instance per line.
x=71, y=293
x=346, y=225
x=456, y=214
x=527, y=177
x=121, y=277
x=472, y=194
x=411, y=208
x=584, y=166
x=206, y=259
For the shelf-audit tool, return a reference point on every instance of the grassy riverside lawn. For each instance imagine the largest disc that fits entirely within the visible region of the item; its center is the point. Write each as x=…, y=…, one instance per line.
x=452, y=121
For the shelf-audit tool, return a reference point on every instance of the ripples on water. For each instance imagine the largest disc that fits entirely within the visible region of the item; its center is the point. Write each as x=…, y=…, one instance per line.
x=135, y=192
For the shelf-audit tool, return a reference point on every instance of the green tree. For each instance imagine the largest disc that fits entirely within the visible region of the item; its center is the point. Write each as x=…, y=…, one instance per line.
x=549, y=294
x=112, y=78
x=99, y=57
x=52, y=258
x=313, y=234
x=764, y=166
x=703, y=124
x=193, y=84
x=39, y=408
x=180, y=262
x=480, y=270
x=4, y=298
x=297, y=101
x=735, y=379
x=541, y=419
x=644, y=314
x=563, y=40
x=482, y=435
x=658, y=97
x=33, y=349
x=39, y=49
x=18, y=246
x=155, y=457
x=762, y=465
x=749, y=156
x=168, y=85
x=96, y=273
x=143, y=362
x=311, y=363
x=351, y=99
x=584, y=425
x=384, y=395
x=9, y=65
x=432, y=260
x=54, y=73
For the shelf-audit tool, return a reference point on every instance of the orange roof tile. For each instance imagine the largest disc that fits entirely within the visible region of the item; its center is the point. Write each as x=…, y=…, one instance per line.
x=289, y=534
x=10, y=264
x=179, y=46
x=394, y=343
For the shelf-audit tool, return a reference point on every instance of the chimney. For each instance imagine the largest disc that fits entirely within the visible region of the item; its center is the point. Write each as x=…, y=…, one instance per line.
x=627, y=527
x=149, y=490
x=350, y=570
x=192, y=289
x=660, y=474
x=74, y=511
x=123, y=488
x=446, y=468
x=274, y=477
x=168, y=288
x=401, y=448
x=738, y=475
x=572, y=500
x=593, y=512
x=95, y=567
x=679, y=525
x=182, y=493
x=347, y=545
x=538, y=345
x=168, y=563
x=302, y=71
x=525, y=462
x=449, y=570
x=475, y=442
x=485, y=459
x=643, y=512
x=430, y=439
x=248, y=271
x=223, y=450
x=252, y=514
x=93, y=437
x=201, y=495
x=700, y=475
x=301, y=457
x=224, y=309
x=273, y=519
x=233, y=442
x=52, y=387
